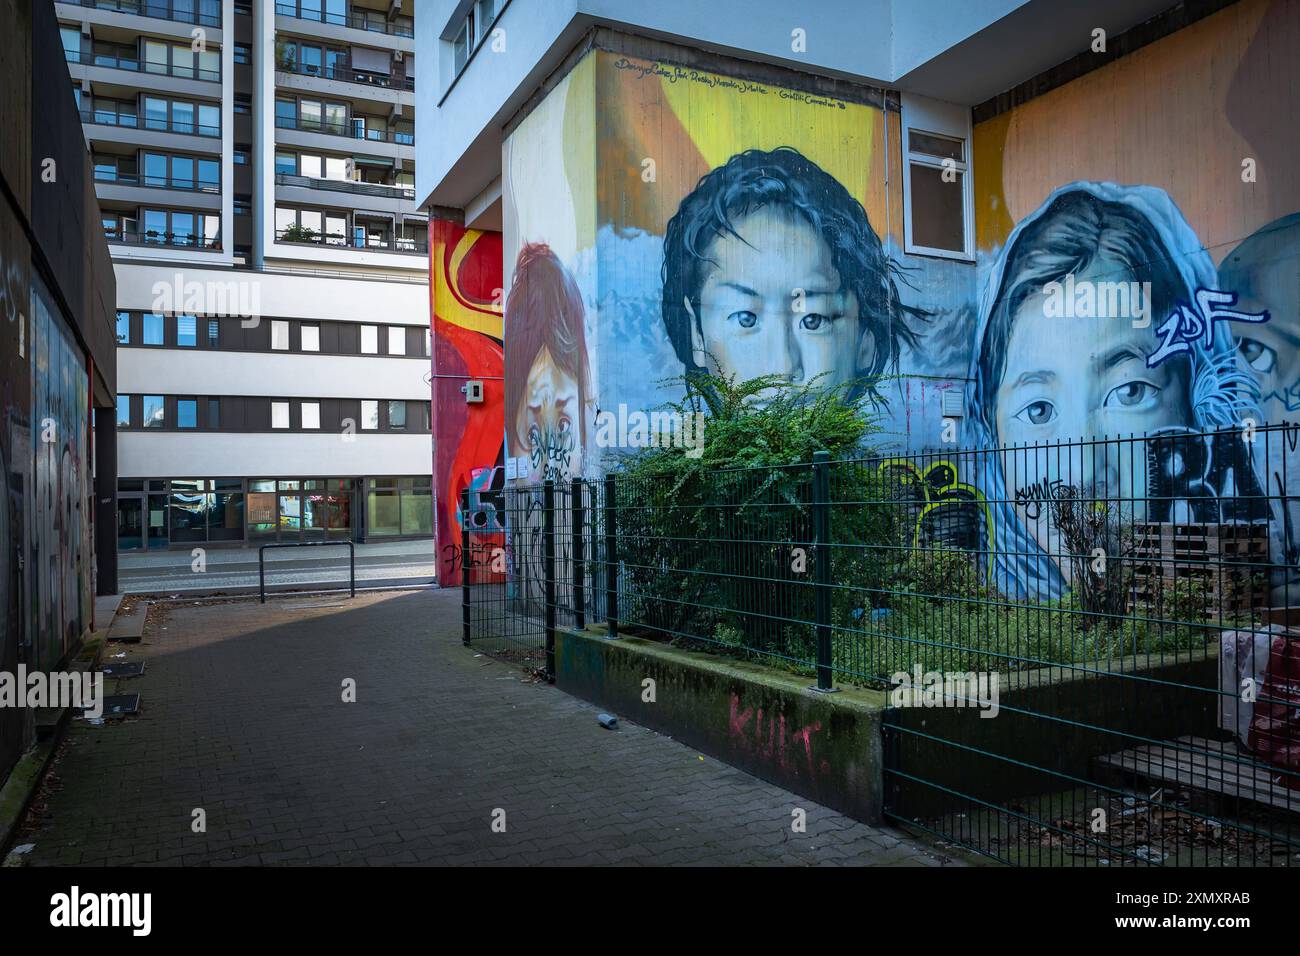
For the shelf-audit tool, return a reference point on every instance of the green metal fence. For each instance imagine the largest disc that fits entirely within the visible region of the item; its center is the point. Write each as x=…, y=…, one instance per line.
x=1086, y=646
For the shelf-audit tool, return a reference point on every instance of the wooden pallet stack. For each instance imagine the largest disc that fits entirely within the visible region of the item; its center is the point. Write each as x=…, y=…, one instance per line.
x=1227, y=561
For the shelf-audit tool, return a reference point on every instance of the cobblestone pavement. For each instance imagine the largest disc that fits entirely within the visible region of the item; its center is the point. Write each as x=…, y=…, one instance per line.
x=242, y=717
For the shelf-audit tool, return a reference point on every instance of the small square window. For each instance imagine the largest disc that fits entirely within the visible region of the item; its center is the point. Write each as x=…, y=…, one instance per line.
x=187, y=413
x=311, y=338
x=369, y=340
x=279, y=335
x=279, y=414
x=396, y=340
x=369, y=414
x=153, y=329
x=311, y=414
x=153, y=407
x=187, y=331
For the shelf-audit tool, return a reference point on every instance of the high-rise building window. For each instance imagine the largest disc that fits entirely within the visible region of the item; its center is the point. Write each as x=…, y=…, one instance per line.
x=310, y=338
x=152, y=406
x=187, y=413
x=214, y=413
x=214, y=333
x=153, y=329
x=187, y=331
x=311, y=414
x=396, y=340
x=243, y=53
x=397, y=414
x=279, y=335
x=369, y=414
x=279, y=414
x=124, y=411
x=123, y=328
x=369, y=340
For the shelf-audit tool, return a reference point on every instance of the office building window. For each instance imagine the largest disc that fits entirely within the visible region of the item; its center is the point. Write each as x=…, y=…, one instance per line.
x=311, y=414
x=187, y=413
x=123, y=328
x=214, y=413
x=397, y=414
x=152, y=406
x=214, y=333
x=153, y=329
x=369, y=414
x=428, y=342
x=369, y=340
x=396, y=340
x=124, y=411
x=279, y=335
x=243, y=53
x=187, y=331
x=311, y=338
x=936, y=190
x=279, y=414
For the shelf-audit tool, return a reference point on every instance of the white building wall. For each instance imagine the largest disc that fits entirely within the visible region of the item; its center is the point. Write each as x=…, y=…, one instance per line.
x=270, y=455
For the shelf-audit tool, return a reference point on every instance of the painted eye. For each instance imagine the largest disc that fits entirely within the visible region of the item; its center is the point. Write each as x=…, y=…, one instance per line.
x=746, y=320
x=815, y=321
x=1037, y=413
x=564, y=426
x=1258, y=356
x=1132, y=394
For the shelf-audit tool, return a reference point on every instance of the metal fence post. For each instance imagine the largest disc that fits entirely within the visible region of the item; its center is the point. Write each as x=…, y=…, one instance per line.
x=548, y=571
x=822, y=565
x=579, y=566
x=611, y=558
x=464, y=566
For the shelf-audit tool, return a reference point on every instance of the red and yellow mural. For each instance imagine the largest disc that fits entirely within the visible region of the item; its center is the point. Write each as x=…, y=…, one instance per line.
x=465, y=289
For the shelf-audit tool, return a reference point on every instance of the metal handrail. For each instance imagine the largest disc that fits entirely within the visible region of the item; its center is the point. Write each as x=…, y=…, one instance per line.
x=261, y=562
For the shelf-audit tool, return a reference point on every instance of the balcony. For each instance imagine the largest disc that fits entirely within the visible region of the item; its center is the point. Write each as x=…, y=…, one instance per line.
x=128, y=121
x=158, y=182
x=201, y=13
x=163, y=239
x=133, y=64
x=353, y=21
x=348, y=74
x=346, y=130
x=409, y=246
x=346, y=186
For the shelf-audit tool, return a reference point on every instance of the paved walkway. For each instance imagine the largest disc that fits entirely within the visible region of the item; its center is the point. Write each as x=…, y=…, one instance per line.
x=243, y=718
x=232, y=570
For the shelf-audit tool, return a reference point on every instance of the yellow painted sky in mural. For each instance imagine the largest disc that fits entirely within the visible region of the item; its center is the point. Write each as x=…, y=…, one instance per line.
x=690, y=121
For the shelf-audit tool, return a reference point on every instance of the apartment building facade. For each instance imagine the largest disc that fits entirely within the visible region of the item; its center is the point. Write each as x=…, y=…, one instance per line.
x=890, y=174
x=254, y=166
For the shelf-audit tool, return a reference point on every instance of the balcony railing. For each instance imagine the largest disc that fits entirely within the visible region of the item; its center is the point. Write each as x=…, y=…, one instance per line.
x=348, y=74
x=152, y=237
x=346, y=186
x=157, y=182
x=132, y=63
x=127, y=121
x=410, y=246
x=355, y=21
x=201, y=13
x=346, y=129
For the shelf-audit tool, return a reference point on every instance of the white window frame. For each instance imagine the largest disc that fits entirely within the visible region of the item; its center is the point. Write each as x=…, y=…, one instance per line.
x=311, y=330
x=945, y=121
x=397, y=336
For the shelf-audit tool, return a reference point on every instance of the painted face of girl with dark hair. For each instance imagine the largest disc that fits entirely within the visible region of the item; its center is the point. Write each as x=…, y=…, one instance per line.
x=549, y=421
x=774, y=304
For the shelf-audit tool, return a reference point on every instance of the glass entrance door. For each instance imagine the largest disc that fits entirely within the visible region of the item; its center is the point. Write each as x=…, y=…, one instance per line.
x=130, y=524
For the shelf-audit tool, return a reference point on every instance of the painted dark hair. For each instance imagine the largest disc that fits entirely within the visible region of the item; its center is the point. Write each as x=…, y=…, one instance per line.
x=1075, y=230
x=543, y=311
x=783, y=177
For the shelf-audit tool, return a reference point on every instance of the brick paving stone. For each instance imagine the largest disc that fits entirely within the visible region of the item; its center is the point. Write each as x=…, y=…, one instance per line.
x=242, y=715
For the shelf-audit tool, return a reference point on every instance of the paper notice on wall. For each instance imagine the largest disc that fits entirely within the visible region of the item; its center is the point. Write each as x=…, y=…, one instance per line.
x=155, y=519
x=512, y=468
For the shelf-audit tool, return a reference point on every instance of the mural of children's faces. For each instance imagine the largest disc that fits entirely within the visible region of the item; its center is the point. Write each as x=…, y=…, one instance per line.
x=550, y=421
x=774, y=304
x=1072, y=376
x=1262, y=273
